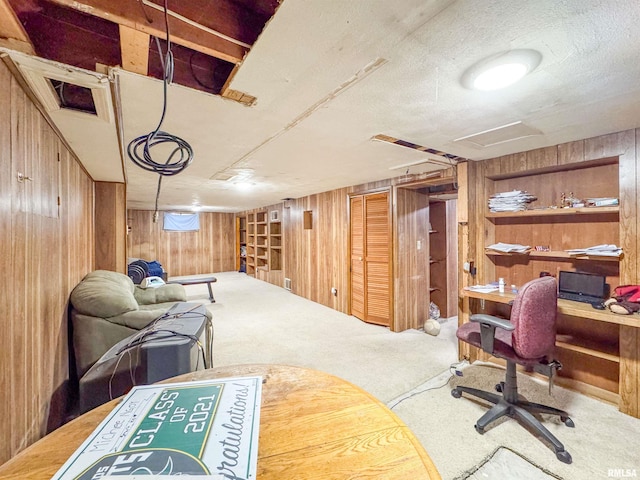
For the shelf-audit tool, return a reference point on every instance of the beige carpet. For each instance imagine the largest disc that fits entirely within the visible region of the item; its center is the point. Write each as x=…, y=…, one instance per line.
x=256, y=322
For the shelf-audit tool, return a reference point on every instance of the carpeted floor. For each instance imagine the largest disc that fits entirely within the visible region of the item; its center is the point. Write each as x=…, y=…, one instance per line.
x=256, y=322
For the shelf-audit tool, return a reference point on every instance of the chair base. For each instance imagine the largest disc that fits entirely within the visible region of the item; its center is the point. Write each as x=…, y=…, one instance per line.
x=509, y=404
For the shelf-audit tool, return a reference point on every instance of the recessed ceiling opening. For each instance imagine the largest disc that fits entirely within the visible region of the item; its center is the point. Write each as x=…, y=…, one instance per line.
x=210, y=37
x=74, y=97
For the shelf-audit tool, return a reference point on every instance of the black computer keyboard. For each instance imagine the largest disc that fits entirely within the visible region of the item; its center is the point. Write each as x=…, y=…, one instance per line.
x=576, y=297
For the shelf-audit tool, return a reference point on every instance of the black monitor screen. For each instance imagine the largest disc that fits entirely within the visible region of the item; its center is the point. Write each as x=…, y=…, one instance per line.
x=582, y=283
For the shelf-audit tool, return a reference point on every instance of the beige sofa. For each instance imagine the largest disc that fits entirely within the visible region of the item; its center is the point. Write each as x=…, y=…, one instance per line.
x=107, y=307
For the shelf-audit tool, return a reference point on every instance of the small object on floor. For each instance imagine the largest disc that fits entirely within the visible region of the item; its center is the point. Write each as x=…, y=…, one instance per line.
x=432, y=327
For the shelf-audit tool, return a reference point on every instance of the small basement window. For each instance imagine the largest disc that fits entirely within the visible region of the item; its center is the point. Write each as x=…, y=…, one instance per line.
x=181, y=222
x=74, y=97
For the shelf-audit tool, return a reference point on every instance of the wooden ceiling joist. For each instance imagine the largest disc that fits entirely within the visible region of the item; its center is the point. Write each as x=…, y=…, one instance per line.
x=150, y=21
x=12, y=34
x=134, y=49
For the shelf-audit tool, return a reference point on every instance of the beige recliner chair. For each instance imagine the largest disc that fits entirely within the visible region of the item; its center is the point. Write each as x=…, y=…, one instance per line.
x=107, y=307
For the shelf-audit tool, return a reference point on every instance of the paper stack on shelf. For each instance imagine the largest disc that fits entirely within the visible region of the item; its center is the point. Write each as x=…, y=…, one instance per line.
x=598, y=250
x=509, y=248
x=513, y=201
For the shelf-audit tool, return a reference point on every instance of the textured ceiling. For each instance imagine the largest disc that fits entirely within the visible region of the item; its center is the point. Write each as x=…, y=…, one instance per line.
x=330, y=75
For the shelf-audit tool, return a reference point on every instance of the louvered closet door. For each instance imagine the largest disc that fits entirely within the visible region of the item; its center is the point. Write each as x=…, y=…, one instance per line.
x=370, y=253
x=357, y=257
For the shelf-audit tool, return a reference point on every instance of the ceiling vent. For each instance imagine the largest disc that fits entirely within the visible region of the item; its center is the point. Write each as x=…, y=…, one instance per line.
x=498, y=135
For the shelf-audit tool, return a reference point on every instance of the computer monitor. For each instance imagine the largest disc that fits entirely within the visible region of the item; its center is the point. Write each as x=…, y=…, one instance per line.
x=175, y=343
x=582, y=287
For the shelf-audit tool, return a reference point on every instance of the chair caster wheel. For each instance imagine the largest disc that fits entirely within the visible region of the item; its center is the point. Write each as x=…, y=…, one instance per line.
x=567, y=421
x=564, y=457
x=456, y=393
x=499, y=387
x=479, y=429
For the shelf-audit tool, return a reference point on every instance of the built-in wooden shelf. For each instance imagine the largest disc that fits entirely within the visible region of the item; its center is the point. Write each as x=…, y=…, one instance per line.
x=545, y=212
x=556, y=254
x=591, y=348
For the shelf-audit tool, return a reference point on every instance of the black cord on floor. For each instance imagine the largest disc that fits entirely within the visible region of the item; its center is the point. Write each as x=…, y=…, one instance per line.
x=453, y=370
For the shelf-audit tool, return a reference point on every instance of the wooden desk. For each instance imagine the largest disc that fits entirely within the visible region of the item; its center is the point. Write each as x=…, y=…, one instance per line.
x=624, y=356
x=312, y=426
x=567, y=307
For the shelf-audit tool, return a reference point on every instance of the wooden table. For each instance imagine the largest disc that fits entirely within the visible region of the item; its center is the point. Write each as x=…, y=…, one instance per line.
x=312, y=426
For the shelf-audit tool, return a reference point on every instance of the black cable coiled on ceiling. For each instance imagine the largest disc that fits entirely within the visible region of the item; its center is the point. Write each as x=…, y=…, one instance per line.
x=139, y=149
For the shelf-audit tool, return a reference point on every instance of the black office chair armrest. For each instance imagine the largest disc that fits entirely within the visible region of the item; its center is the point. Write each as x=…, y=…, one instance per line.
x=488, y=324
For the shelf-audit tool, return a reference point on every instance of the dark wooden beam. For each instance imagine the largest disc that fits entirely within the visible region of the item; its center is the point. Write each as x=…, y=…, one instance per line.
x=134, y=15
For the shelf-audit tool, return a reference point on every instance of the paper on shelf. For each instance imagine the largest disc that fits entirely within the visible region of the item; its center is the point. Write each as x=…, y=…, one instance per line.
x=513, y=201
x=509, y=247
x=482, y=288
x=597, y=250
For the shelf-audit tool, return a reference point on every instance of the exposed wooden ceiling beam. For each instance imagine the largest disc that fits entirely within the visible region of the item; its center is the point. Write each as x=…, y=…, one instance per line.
x=130, y=13
x=12, y=34
x=134, y=49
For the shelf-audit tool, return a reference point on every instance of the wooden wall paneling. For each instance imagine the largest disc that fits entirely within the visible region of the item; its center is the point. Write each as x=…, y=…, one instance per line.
x=322, y=225
x=452, y=259
x=541, y=157
x=210, y=250
x=7, y=181
x=513, y=163
x=37, y=259
x=611, y=145
x=19, y=382
x=629, y=268
x=317, y=259
x=110, y=226
x=571, y=152
x=410, y=263
x=485, y=234
x=339, y=251
x=468, y=226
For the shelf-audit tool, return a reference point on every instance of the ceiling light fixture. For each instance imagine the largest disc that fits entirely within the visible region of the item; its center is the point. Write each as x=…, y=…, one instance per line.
x=244, y=185
x=501, y=70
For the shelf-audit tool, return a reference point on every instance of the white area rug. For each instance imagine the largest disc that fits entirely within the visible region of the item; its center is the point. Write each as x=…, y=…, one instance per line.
x=256, y=322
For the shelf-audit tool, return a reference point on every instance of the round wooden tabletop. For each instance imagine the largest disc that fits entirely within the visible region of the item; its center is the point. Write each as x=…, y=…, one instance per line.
x=312, y=426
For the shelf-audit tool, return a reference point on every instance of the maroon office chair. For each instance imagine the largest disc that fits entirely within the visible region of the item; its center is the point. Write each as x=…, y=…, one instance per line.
x=528, y=339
